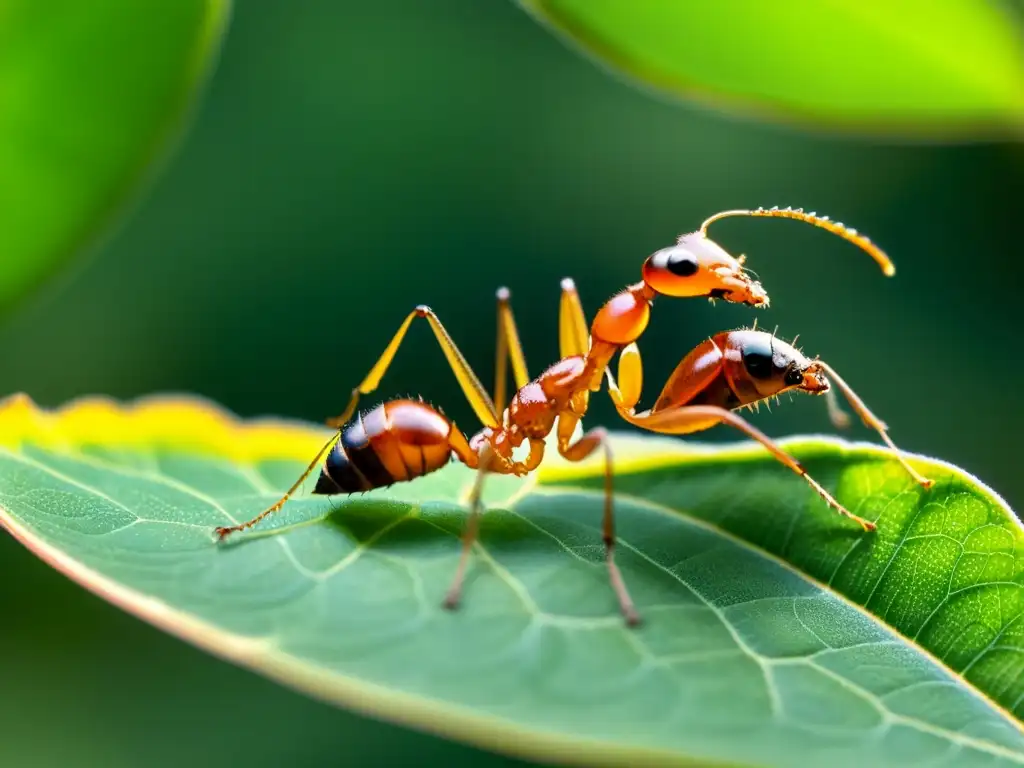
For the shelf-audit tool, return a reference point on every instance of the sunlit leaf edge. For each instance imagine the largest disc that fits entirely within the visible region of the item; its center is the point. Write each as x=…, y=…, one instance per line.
x=196, y=425
x=674, y=89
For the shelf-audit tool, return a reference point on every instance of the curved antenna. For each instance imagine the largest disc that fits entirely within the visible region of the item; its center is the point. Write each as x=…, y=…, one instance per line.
x=835, y=227
x=871, y=421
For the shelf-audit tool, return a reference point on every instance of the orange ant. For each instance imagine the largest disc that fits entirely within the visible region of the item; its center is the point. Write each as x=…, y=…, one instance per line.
x=733, y=370
x=403, y=439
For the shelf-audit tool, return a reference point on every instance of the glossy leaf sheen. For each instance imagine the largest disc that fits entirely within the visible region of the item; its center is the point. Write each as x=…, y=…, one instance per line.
x=754, y=650
x=914, y=67
x=90, y=94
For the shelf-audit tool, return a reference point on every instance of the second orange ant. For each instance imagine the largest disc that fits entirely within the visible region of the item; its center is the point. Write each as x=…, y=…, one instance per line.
x=403, y=439
x=734, y=370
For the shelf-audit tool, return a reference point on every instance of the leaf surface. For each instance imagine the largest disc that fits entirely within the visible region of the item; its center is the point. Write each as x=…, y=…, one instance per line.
x=913, y=68
x=90, y=95
x=775, y=632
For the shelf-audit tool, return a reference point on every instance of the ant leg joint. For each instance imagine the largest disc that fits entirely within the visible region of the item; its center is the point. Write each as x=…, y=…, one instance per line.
x=422, y=310
x=568, y=284
x=503, y=294
x=337, y=422
x=451, y=601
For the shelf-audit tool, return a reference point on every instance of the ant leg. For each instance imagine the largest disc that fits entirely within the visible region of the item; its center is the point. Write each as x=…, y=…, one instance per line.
x=573, y=331
x=223, y=531
x=873, y=422
x=573, y=339
x=578, y=451
x=457, y=441
x=468, y=381
x=625, y=393
x=509, y=348
x=696, y=418
x=839, y=418
x=484, y=462
x=693, y=374
x=469, y=535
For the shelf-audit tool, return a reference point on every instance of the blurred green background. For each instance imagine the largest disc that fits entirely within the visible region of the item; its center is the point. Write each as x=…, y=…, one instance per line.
x=351, y=160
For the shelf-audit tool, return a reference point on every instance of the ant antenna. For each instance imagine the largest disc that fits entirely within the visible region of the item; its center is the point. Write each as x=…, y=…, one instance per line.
x=835, y=227
x=871, y=421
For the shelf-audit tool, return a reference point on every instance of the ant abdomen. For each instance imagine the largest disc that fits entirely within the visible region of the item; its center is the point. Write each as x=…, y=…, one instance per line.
x=397, y=441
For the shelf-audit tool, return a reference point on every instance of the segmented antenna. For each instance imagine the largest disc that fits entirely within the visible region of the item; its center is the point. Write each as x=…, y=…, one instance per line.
x=835, y=227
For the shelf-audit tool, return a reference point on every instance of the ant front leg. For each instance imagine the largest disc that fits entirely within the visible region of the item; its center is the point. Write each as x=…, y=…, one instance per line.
x=872, y=422
x=699, y=368
x=625, y=393
x=472, y=530
x=578, y=451
x=484, y=462
x=840, y=419
x=688, y=419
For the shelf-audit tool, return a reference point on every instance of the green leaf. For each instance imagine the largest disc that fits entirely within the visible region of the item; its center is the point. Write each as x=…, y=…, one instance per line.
x=91, y=93
x=914, y=68
x=776, y=632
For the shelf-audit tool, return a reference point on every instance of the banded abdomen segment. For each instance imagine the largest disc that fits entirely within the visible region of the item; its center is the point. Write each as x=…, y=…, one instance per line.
x=396, y=441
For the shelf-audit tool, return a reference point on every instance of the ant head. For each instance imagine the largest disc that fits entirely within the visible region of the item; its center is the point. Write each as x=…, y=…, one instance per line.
x=759, y=366
x=697, y=266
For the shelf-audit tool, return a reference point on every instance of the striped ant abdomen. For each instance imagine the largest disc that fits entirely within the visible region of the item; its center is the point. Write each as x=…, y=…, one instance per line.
x=397, y=441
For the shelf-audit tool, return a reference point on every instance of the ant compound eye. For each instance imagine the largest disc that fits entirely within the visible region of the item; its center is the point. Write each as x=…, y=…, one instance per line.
x=793, y=377
x=681, y=263
x=757, y=354
x=758, y=363
x=676, y=261
x=685, y=270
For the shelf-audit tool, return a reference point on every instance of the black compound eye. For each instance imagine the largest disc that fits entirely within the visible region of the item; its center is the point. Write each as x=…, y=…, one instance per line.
x=793, y=377
x=681, y=263
x=758, y=363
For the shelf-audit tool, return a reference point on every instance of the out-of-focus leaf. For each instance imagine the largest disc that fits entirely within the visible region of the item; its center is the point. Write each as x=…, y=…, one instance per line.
x=91, y=94
x=777, y=633
x=909, y=68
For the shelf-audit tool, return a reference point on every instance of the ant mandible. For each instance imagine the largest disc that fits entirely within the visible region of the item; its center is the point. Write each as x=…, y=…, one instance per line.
x=402, y=439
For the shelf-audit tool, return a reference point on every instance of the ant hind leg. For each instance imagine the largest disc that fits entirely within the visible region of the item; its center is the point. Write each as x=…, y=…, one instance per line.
x=223, y=531
x=470, y=384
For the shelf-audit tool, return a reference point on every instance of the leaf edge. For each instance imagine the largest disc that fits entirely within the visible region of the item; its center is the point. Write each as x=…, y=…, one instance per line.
x=675, y=91
x=131, y=190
